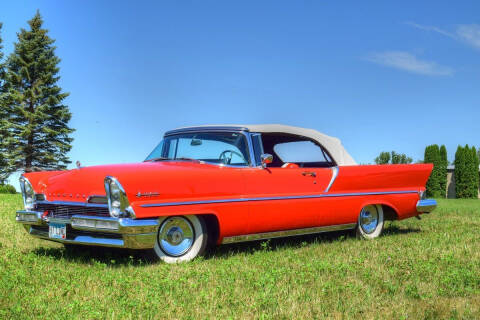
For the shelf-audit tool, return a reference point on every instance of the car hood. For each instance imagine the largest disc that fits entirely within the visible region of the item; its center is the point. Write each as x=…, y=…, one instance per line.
x=77, y=185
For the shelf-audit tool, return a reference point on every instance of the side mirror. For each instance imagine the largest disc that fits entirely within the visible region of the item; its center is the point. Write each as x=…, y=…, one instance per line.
x=266, y=158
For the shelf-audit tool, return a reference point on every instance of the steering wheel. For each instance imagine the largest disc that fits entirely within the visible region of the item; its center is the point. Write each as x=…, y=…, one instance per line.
x=226, y=159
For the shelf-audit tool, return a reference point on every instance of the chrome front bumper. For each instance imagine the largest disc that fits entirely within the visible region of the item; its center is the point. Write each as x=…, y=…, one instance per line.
x=426, y=205
x=94, y=231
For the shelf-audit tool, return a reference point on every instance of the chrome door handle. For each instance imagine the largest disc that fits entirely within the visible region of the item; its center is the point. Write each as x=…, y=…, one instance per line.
x=309, y=173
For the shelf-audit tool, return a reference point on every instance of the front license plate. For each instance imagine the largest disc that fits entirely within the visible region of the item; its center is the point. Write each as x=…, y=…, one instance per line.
x=57, y=231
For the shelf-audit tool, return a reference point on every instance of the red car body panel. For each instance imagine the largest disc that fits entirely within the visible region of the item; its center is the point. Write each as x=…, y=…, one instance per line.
x=246, y=200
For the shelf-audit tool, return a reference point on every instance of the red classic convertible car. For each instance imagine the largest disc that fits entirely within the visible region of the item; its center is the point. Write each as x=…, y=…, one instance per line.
x=212, y=185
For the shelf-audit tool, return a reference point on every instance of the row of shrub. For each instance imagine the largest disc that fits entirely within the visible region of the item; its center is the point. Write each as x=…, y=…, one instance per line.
x=7, y=188
x=466, y=172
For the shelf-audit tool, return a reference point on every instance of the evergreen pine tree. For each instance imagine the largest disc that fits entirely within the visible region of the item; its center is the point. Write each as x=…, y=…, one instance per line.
x=38, y=119
x=4, y=168
x=443, y=171
x=2, y=66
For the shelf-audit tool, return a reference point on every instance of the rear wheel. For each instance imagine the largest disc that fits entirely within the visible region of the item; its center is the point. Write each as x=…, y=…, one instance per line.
x=181, y=238
x=370, y=222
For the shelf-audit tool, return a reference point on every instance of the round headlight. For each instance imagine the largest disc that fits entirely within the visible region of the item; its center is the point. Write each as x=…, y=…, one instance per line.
x=118, y=204
x=28, y=193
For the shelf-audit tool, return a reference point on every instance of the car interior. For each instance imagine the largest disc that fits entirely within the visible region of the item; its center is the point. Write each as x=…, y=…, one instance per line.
x=292, y=151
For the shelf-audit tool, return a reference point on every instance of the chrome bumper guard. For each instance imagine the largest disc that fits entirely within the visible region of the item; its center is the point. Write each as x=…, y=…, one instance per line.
x=426, y=205
x=95, y=231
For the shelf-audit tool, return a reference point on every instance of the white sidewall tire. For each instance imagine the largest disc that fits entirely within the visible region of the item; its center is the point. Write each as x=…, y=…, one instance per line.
x=198, y=247
x=378, y=230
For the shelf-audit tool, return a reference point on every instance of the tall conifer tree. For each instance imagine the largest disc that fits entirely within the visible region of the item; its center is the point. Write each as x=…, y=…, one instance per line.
x=432, y=155
x=468, y=172
x=460, y=168
x=4, y=166
x=38, y=118
x=474, y=172
x=2, y=66
x=443, y=171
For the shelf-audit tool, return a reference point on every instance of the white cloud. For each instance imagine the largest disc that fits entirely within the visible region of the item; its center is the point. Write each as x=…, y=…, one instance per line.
x=430, y=28
x=468, y=33
x=408, y=62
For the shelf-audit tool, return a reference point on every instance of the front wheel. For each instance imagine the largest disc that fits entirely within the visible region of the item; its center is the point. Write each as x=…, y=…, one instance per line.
x=181, y=238
x=370, y=222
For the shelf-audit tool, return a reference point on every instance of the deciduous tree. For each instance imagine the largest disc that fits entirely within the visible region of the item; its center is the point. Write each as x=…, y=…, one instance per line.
x=392, y=158
x=383, y=158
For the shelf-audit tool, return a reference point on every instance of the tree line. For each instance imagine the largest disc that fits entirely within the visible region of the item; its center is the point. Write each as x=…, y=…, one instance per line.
x=466, y=172
x=34, y=130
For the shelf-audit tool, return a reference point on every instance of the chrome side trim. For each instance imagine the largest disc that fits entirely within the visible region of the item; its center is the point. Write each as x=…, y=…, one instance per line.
x=287, y=233
x=426, y=205
x=314, y=196
x=334, y=177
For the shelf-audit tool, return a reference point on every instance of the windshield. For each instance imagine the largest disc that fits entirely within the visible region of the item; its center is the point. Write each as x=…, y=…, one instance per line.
x=227, y=148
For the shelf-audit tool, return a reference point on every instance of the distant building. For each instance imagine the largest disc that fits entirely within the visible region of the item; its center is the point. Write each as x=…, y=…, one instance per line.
x=451, y=182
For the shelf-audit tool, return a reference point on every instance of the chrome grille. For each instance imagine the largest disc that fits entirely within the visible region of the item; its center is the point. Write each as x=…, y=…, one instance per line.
x=70, y=209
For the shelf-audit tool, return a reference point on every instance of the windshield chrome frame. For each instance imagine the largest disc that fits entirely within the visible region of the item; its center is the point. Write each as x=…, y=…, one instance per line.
x=248, y=137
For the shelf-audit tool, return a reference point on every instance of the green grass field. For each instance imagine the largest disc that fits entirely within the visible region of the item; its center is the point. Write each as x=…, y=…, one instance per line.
x=426, y=269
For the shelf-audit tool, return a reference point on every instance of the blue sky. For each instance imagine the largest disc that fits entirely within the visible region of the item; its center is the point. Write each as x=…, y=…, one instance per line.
x=380, y=75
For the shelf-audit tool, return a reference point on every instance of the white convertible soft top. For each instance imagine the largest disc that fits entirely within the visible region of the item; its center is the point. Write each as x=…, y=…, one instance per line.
x=333, y=145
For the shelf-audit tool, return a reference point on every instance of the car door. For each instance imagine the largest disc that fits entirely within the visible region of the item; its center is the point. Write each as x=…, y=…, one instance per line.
x=285, y=195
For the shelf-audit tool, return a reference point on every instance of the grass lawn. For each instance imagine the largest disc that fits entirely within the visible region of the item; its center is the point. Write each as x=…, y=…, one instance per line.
x=417, y=269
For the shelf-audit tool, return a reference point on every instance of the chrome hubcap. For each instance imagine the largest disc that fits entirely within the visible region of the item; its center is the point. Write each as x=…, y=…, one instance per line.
x=176, y=236
x=369, y=219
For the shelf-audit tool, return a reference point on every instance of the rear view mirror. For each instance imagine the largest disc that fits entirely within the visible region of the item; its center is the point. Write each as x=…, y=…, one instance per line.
x=266, y=158
x=196, y=142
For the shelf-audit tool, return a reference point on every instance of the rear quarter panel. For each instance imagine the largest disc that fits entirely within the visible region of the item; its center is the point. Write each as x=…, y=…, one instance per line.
x=396, y=186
